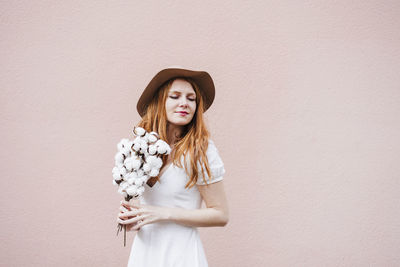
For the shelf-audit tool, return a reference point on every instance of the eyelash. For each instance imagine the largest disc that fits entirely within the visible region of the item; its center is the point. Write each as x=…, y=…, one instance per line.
x=175, y=97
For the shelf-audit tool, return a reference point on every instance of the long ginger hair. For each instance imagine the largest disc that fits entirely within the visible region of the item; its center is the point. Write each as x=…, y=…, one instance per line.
x=192, y=143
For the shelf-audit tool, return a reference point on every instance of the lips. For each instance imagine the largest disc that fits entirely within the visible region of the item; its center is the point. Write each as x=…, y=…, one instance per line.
x=182, y=112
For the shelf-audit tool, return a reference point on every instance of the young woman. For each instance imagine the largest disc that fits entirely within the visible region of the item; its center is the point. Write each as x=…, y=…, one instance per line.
x=169, y=212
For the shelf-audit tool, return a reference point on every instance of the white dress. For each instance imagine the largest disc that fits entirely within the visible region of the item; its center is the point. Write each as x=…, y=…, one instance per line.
x=168, y=244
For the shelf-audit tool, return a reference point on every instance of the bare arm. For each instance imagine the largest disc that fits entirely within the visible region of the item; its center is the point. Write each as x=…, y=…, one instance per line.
x=216, y=212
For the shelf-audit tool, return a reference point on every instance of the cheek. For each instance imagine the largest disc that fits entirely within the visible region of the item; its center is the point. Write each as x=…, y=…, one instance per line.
x=169, y=105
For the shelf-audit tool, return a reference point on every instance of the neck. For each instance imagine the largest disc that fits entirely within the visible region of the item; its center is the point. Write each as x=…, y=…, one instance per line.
x=173, y=133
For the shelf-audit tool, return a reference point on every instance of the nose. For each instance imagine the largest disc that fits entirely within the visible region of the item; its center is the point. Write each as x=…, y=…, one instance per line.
x=183, y=102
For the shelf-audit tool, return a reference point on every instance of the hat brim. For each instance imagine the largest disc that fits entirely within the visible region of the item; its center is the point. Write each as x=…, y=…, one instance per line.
x=201, y=78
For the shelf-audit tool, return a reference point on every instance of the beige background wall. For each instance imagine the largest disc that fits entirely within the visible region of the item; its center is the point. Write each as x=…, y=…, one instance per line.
x=306, y=118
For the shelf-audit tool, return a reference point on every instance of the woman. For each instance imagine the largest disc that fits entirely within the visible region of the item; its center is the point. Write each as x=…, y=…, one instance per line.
x=172, y=105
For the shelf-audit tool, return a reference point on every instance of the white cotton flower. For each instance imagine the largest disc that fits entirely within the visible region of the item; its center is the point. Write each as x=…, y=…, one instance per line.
x=162, y=149
x=124, y=185
x=154, y=162
x=119, y=165
x=162, y=146
x=136, y=144
x=119, y=158
x=114, y=182
x=140, y=172
x=131, y=190
x=124, y=194
x=126, y=151
x=122, y=170
x=140, y=190
x=152, y=149
x=146, y=137
x=136, y=162
x=143, y=147
x=154, y=172
x=153, y=137
x=139, y=131
x=123, y=143
x=138, y=182
x=129, y=164
x=146, y=167
x=131, y=180
x=117, y=176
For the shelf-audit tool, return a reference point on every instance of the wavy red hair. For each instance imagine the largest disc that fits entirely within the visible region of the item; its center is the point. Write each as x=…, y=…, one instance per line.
x=194, y=140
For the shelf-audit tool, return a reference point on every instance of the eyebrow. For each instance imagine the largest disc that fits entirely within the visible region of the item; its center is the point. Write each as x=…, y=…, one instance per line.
x=180, y=93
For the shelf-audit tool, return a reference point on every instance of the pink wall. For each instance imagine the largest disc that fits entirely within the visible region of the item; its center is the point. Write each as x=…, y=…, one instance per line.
x=306, y=118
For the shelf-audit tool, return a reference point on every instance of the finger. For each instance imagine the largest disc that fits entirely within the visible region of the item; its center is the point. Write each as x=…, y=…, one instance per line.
x=131, y=213
x=134, y=219
x=123, y=209
x=123, y=217
x=128, y=206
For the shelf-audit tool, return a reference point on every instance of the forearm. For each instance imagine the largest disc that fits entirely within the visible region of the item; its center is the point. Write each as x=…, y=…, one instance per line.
x=206, y=217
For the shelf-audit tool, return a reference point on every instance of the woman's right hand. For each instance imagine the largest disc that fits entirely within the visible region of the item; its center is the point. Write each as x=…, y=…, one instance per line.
x=124, y=209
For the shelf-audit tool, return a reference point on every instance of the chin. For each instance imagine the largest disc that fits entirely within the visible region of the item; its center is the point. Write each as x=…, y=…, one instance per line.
x=180, y=122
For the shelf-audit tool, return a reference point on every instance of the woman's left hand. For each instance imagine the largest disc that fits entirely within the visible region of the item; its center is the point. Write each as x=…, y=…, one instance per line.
x=142, y=214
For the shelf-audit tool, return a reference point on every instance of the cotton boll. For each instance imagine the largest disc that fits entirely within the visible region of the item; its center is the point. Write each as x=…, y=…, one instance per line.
x=154, y=161
x=119, y=166
x=158, y=162
x=161, y=146
x=126, y=151
x=140, y=172
x=146, y=137
x=152, y=137
x=154, y=173
x=143, y=147
x=124, y=185
x=119, y=158
x=134, y=174
x=124, y=194
x=122, y=170
x=161, y=149
x=131, y=180
x=152, y=149
x=129, y=164
x=136, y=163
x=140, y=190
x=146, y=167
x=136, y=144
x=114, y=182
x=130, y=175
x=123, y=143
x=120, y=190
x=139, y=131
x=139, y=182
x=131, y=190
x=117, y=176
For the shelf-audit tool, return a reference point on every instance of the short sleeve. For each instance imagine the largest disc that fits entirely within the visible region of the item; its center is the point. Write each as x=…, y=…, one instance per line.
x=215, y=163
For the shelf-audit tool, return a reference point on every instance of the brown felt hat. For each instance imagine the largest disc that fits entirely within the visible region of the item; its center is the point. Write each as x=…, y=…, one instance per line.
x=202, y=79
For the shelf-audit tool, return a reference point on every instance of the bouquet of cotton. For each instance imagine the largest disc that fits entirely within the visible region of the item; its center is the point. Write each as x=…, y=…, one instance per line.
x=135, y=162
